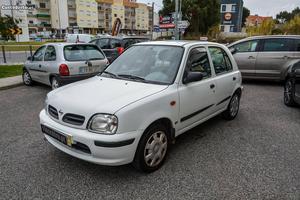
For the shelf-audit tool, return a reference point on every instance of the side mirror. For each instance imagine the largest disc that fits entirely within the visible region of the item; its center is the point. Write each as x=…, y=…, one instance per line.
x=297, y=72
x=232, y=50
x=192, y=77
x=29, y=58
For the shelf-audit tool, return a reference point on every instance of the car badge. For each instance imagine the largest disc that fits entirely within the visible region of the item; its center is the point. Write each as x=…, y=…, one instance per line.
x=61, y=112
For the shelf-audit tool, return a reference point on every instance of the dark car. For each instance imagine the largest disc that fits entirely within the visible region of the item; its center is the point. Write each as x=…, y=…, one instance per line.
x=114, y=46
x=292, y=86
x=266, y=57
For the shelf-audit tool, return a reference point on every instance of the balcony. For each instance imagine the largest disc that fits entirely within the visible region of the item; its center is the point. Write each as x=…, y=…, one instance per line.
x=105, y=1
x=71, y=6
x=43, y=15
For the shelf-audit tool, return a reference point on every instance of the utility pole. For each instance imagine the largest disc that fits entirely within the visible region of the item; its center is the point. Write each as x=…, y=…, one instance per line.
x=152, y=24
x=176, y=21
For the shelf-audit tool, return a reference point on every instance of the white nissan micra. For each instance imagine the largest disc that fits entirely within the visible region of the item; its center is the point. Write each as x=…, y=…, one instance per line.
x=133, y=111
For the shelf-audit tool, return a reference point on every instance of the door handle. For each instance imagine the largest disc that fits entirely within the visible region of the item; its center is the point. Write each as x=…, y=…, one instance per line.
x=251, y=57
x=234, y=78
x=212, y=86
x=285, y=57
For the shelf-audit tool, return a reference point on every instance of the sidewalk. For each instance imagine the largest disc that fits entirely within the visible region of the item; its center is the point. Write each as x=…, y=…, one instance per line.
x=10, y=82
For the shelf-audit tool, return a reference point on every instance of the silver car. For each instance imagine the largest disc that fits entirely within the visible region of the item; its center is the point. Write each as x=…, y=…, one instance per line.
x=58, y=64
x=266, y=57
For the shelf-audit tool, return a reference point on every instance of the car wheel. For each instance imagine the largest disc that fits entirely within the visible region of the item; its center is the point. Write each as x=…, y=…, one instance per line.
x=152, y=149
x=54, y=83
x=289, y=90
x=233, y=108
x=27, y=80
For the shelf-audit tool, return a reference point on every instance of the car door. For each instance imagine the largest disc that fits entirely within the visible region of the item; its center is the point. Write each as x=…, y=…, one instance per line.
x=197, y=98
x=225, y=79
x=34, y=66
x=245, y=55
x=49, y=65
x=272, y=57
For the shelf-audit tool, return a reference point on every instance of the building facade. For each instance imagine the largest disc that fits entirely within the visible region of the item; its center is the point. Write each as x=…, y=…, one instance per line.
x=231, y=15
x=58, y=17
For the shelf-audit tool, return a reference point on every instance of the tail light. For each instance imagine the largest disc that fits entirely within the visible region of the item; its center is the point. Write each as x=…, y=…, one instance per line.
x=120, y=50
x=64, y=70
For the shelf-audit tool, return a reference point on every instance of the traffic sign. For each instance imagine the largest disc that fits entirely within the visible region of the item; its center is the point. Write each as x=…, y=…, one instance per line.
x=183, y=24
x=15, y=31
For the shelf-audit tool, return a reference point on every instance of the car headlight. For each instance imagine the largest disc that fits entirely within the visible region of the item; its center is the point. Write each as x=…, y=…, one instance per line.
x=103, y=123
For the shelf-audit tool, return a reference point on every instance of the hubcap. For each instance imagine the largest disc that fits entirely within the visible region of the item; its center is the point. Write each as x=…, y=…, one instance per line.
x=155, y=149
x=234, y=105
x=54, y=84
x=26, y=78
x=288, y=91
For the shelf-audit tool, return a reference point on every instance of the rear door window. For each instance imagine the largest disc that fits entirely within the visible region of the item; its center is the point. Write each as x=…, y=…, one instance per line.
x=276, y=44
x=114, y=43
x=220, y=59
x=82, y=53
x=103, y=43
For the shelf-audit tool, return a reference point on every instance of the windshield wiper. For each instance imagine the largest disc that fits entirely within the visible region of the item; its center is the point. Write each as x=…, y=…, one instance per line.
x=133, y=77
x=109, y=73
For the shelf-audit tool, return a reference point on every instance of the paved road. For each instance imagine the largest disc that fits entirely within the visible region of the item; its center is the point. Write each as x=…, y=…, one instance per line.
x=256, y=156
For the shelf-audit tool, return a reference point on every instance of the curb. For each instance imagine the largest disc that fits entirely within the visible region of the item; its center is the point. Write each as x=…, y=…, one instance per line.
x=10, y=86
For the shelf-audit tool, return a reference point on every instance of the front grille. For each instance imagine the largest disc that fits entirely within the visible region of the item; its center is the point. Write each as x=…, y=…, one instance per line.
x=52, y=111
x=73, y=119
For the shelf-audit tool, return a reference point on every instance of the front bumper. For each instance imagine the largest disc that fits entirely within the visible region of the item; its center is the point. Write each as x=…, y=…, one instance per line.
x=64, y=80
x=117, y=149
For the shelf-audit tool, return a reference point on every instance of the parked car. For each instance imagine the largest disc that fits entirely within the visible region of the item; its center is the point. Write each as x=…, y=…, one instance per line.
x=79, y=38
x=292, y=86
x=114, y=46
x=136, y=107
x=266, y=57
x=58, y=64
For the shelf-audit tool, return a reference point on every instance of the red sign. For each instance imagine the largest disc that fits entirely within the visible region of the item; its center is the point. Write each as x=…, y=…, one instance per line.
x=166, y=26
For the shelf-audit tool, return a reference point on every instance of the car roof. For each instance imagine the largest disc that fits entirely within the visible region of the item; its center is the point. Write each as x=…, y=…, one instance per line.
x=121, y=37
x=264, y=37
x=180, y=43
x=62, y=44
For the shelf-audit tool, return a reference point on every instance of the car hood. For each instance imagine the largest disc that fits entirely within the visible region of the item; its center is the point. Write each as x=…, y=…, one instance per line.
x=100, y=95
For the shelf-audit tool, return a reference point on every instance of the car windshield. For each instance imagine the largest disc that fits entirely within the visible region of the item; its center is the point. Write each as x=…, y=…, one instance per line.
x=147, y=63
x=82, y=52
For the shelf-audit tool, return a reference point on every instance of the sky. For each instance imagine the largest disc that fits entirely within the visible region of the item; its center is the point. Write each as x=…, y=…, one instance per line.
x=260, y=7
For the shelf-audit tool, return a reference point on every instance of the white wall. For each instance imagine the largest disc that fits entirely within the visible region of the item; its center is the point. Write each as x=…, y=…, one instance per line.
x=59, y=14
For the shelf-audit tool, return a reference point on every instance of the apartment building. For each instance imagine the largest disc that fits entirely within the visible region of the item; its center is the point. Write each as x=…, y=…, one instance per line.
x=57, y=17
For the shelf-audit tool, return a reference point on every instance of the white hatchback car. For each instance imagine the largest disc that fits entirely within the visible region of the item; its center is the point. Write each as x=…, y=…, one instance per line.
x=136, y=107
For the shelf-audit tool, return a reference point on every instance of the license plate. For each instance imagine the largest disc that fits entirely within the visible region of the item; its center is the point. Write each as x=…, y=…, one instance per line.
x=65, y=139
x=83, y=70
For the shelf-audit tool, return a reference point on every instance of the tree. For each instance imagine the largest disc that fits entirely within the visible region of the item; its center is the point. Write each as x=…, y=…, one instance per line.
x=293, y=26
x=286, y=16
x=266, y=28
x=202, y=14
x=7, y=22
x=246, y=13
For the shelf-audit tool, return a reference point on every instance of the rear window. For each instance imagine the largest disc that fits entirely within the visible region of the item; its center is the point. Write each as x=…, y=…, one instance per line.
x=82, y=52
x=276, y=44
x=130, y=41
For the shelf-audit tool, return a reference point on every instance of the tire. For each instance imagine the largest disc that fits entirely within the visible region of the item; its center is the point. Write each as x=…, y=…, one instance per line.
x=289, y=91
x=233, y=107
x=152, y=149
x=27, y=80
x=54, y=83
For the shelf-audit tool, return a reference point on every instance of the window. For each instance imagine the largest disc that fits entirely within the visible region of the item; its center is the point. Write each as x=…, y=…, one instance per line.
x=223, y=8
x=50, y=54
x=276, y=44
x=103, y=43
x=220, y=60
x=82, y=52
x=222, y=28
x=115, y=43
x=249, y=46
x=198, y=62
x=42, y=5
x=38, y=55
x=233, y=8
x=297, y=45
